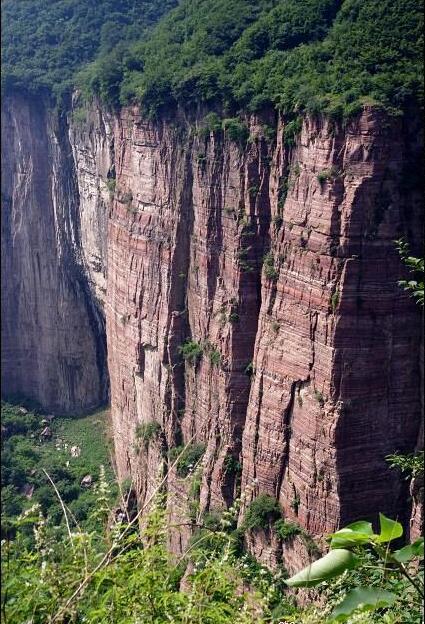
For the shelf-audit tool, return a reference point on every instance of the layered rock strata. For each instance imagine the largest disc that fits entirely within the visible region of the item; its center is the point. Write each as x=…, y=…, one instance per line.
x=251, y=300
x=278, y=265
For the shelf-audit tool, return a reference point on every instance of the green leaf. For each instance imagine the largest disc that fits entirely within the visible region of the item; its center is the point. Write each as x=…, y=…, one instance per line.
x=410, y=551
x=390, y=529
x=347, y=537
x=363, y=599
x=361, y=527
x=331, y=565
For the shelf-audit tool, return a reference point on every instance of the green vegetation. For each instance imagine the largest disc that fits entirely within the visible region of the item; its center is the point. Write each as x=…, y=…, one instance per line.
x=232, y=465
x=236, y=130
x=148, y=431
x=328, y=174
x=215, y=357
x=309, y=55
x=373, y=577
x=315, y=56
x=44, y=42
x=210, y=123
x=291, y=131
x=66, y=449
x=187, y=457
x=411, y=465
x=83, y=577
x=415, y=266
x=191, y=351
x=111, y=184
x=261, y=512
x=287, y=530
x=269, y=269
x=60, y=569
x=335, y=301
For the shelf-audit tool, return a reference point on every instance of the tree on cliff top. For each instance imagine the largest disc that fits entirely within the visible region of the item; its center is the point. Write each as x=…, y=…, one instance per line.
x=44, y=42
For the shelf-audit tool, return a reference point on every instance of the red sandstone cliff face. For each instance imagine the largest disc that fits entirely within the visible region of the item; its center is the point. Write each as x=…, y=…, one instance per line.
x=53, y=342
x=332, y=342
x=278, y=262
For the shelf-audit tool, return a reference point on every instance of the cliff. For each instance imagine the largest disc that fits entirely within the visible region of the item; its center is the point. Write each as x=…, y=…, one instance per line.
x=275, y=264
x=53, y=338
x=309, y=373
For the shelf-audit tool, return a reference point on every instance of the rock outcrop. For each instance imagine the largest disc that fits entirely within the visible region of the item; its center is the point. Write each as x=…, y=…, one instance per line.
x=279, y=266
x=251, y=300
x=53, y=339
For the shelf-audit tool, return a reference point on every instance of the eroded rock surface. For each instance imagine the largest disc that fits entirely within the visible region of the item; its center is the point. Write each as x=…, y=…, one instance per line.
x=309, y=373
x=53, y=340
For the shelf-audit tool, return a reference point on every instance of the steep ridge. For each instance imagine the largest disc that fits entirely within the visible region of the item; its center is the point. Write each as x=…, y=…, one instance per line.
x=276, y=263
x=332, y=343
x=53, y=337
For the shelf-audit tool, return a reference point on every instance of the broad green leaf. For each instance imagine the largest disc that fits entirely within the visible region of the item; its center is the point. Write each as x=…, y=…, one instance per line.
x=390, y=529
x=410, y=551
x=363, y=599
x=331, y=565
x=347, y=537
x=361, y=526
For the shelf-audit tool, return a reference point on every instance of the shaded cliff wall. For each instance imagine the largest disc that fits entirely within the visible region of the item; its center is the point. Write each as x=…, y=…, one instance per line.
x=53, y=338
x=310, y=368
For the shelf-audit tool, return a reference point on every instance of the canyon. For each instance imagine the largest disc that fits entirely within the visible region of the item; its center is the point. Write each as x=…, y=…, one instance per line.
x=123, y=239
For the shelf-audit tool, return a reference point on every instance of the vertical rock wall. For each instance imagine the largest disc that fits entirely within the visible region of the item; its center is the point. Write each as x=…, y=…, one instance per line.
x=53, y=340
x=275, y=263
x=309, y=372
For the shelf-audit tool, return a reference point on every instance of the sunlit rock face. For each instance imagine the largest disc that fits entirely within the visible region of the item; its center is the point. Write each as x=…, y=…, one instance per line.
x=276, y=263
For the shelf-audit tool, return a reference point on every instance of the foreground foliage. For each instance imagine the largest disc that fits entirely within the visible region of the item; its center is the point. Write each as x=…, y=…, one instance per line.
x=391, y=580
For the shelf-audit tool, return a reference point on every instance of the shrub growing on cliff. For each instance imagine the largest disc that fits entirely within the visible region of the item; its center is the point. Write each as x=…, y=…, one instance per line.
x=286, y=530
x=147, y=431
x=416, y=266
x=269, y=268
x=210, y=123
x=236, y=130
x=191, y=351
x=261, y=512
x=411, y=465
x=188, y=457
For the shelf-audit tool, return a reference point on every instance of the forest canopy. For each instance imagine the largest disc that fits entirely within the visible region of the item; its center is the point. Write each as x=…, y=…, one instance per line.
x=328, y=56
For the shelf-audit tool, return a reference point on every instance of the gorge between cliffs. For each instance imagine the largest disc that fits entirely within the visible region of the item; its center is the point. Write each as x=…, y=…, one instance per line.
x=235, y=294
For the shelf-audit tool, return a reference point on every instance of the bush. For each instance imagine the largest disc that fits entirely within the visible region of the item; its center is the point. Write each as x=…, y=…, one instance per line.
x=261, y=512
x=210, y=123
x=327, y=174
x=287, y=530
x=291, y=131
x=147, y=431
x=191, y=351
x=215, y=357
x=189, y=457
x=232, y=465
x=236, y=130
x=269, y=269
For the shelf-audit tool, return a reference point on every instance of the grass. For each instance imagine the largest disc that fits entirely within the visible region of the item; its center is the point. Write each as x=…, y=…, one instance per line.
x=25, y=456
